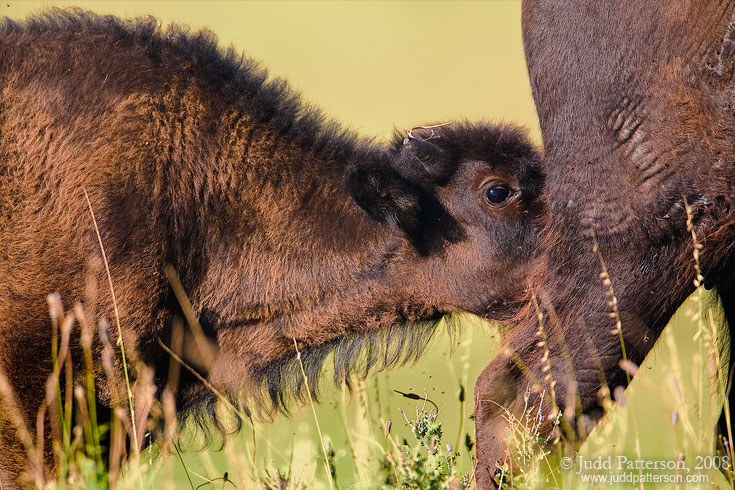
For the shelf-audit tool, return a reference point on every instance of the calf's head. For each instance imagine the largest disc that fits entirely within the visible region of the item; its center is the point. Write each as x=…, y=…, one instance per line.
x=466, y=195
x=457, y=206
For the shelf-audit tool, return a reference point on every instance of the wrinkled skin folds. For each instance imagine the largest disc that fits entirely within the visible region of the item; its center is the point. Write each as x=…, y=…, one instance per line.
x=636, y=107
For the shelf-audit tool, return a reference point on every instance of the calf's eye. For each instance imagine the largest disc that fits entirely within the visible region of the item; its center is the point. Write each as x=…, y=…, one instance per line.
x=498, y=193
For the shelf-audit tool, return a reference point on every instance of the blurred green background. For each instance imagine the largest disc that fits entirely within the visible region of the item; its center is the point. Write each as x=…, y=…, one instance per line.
x=374, y=66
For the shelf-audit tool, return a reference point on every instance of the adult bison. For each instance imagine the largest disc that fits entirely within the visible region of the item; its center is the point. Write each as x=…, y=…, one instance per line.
x=284, y=228
x=636, y=101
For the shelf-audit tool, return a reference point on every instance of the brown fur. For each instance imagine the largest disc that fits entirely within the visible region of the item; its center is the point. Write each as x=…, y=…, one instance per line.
x=191, y=157
x=635, y=100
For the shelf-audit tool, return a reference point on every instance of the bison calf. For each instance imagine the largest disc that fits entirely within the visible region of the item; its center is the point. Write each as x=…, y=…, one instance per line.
x=284, y=228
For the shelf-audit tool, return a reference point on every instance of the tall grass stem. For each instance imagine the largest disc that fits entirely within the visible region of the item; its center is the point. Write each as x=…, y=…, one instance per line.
x=117, y=322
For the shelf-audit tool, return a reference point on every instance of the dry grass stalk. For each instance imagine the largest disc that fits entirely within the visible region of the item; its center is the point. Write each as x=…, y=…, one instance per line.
x=143, y=396
x=316, y=420
x=169, y=414
x=206, y=350
x=613, y=301
x=545, y=359
x=87, y=336
x=117, y=315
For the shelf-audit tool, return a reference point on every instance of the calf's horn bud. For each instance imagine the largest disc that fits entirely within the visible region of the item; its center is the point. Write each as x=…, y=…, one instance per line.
x=427, y=153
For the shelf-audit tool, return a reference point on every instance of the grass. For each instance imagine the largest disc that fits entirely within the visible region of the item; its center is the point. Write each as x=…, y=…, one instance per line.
x=380, y=438
x=390, y=452
x=367, y=439
x=667, y=415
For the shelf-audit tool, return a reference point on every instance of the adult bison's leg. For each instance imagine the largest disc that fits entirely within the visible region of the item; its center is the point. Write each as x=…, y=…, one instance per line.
x=499, y=393
x=539, y=374
x=568, y=347
x=495, y=388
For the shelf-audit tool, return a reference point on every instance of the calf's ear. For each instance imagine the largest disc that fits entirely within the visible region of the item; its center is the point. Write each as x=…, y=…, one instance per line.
x=387, y=197
x=383, y=194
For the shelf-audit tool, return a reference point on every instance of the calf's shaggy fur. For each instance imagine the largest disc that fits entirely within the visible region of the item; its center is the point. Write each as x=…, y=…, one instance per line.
x=282, y=226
